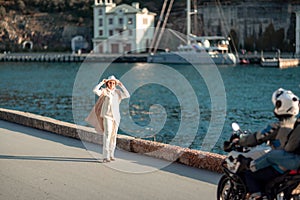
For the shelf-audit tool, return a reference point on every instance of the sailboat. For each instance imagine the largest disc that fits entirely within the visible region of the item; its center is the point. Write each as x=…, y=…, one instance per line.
x=197, y=49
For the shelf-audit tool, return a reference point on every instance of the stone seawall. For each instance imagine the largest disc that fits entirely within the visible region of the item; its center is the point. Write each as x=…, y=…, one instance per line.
x=194, y=158
x=65, y=57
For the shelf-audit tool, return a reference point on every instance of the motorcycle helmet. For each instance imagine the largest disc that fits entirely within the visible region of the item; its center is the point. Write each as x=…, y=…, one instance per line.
x=286, y=103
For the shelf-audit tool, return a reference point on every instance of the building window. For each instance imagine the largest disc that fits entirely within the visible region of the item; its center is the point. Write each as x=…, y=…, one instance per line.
x=110, y=21
x=100, y=22
x=130, y=20
x=100, y=12
x=145, y=20
x=111, y=32
x=100, y=32
x=121, y=21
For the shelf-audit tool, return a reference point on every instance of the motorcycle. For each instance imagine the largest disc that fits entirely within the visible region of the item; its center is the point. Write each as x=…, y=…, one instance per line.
x=231, y=185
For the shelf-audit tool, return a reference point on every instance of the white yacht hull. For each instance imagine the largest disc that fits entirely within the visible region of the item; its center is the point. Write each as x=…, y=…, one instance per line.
x=192, y=57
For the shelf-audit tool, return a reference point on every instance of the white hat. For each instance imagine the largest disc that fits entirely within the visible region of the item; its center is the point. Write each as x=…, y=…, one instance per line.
x=112, y=78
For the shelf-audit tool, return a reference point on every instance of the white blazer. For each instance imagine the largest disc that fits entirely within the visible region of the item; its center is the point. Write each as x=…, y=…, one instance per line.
x=117, y=95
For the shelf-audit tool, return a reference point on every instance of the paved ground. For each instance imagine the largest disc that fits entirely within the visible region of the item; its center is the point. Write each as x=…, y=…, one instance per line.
x=39, y=165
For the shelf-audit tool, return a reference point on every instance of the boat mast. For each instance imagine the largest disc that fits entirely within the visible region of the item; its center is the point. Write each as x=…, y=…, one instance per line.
x=158, y=27
x=188, y=17
x=164, y=25
x=156, y=39
x=195, y=17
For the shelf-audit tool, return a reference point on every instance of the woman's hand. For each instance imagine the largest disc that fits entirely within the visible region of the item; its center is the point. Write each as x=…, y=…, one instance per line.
x=104, y=81
x=119, y=83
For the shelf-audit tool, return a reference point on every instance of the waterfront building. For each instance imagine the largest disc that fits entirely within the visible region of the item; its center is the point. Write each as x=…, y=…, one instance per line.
x=122, y=28
x=249, y=20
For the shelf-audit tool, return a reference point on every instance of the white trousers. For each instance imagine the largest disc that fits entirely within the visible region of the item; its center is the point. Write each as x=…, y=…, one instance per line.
x=109, y=137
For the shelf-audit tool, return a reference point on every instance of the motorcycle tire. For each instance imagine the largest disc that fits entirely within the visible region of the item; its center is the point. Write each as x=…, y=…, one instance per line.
x=227, y=190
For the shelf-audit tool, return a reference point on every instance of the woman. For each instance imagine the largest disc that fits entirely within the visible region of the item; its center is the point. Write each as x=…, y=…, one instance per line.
x=105, y=116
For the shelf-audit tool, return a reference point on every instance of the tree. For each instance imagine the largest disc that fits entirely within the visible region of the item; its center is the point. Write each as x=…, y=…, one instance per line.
x=278, y=39
x=249, y=43
x=2, y=11
x=21, y=5
x=267, y=41
x=234, y=39
x=291, y=33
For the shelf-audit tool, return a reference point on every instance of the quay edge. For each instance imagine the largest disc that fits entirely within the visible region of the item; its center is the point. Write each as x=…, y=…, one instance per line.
x=63, y=57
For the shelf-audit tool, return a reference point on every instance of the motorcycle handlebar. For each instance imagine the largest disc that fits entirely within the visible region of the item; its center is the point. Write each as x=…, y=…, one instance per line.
x=227, y=146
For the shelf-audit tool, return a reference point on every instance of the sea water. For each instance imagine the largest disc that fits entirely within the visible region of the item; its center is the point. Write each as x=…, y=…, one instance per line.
x=172, y=104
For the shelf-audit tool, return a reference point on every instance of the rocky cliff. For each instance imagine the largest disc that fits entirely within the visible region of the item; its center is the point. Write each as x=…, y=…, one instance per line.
x=50, y=25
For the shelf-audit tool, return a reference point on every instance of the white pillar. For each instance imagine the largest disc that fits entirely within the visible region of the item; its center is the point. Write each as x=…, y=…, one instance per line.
x=297, y=33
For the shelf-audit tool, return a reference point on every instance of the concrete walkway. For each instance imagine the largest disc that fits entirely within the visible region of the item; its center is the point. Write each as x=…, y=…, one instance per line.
x=40, y=165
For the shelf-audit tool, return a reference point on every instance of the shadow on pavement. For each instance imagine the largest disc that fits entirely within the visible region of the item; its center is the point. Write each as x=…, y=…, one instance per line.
x=132, y=161
x=48, y=158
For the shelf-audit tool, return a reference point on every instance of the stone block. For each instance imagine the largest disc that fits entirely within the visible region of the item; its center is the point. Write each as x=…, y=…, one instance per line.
x=201, y=159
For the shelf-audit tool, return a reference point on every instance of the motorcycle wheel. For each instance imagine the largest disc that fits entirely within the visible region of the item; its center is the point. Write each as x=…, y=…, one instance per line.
x=227, y=190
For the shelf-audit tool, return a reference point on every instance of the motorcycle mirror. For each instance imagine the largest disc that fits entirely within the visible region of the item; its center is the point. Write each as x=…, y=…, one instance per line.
x=235, y=126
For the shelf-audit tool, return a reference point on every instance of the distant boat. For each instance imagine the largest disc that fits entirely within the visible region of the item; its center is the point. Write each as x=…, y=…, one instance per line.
x=279, y=62
x=214, y=47
x=269, y=62
x=244, y=61
x=198, y=50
